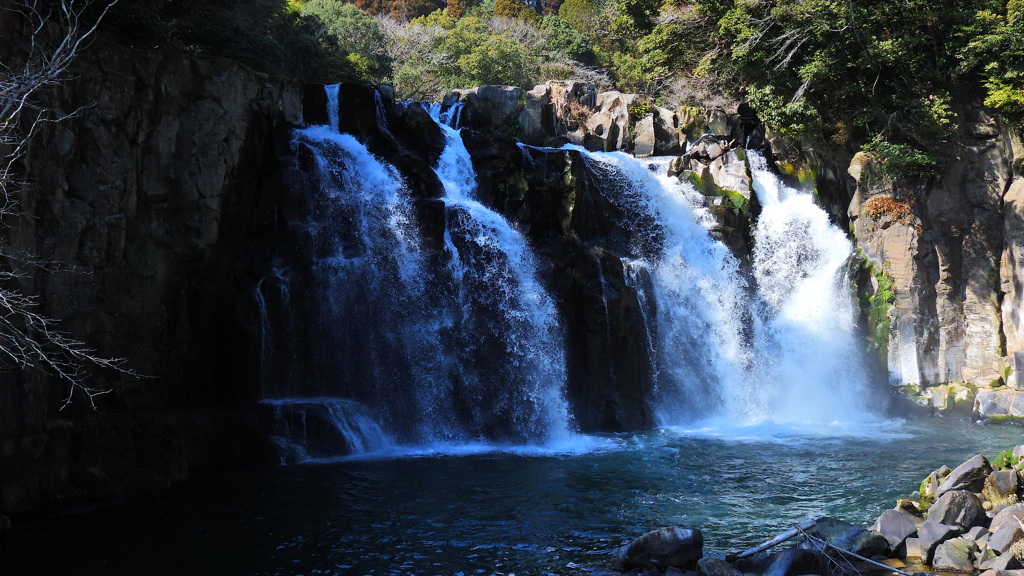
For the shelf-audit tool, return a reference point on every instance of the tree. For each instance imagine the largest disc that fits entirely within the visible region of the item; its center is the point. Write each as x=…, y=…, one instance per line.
x=56, y=33
x=353, y=31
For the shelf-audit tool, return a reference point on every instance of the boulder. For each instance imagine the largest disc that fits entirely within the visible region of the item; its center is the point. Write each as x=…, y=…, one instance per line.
x=977, y=534
x=849, y=537
x=931, y=534
x=958, y=508
x=955, y=555
x=930, y=486
x=1009, y=516
x=797, y=562
x=489, y=107
x=911, y=511
x=970, y=475
x=1005, y=537
x=999, y=403
x=894, y=527
x=1002, y=564
x=608, y=127
x=645, y=141
x=730, y=172
x=672, y=546
x=716, y=567
x=1001, y=487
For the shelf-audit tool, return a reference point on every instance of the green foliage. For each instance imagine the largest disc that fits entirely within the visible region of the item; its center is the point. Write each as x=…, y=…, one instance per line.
x=880, y=305
x=516, y=9
x=497, y=60
x=1005, y=460
x=565, y=39
x=347, y=29
x=268, y=35
x=584, y=16
x=642, y=107
x=899, y=162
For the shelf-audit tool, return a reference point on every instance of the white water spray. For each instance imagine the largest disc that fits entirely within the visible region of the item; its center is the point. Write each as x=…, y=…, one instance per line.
x=783, y=351
x=810, y=358
x=494, y=274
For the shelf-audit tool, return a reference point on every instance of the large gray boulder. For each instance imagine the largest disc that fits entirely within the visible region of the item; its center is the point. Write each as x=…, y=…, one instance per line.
x=999, y=403
x=672, y=546
x=1005, y=537
x=894, y=527
x=970, y=475
x=931, y=534
x=1009, y=516
x=955, y=555
x=958, y=508
x=1003, y=564
x=1001, y=488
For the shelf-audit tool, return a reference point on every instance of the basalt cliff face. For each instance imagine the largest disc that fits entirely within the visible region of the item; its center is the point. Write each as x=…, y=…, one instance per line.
x=150, y=203
x=949, y=248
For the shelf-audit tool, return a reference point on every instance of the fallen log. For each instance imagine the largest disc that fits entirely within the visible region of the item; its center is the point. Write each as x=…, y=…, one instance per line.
x=787, y=535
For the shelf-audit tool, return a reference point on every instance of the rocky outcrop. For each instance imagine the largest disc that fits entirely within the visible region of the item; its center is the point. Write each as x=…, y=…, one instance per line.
x=947, y=246
x=972, y=526
x=153, y=204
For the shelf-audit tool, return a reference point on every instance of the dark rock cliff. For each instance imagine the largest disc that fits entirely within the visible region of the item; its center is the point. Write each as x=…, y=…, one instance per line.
x=152, y=204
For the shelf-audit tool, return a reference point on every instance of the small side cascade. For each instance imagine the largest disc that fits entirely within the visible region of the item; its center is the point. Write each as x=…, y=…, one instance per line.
x=519, y=366
x=307, y=429
x=333, y=106
x=449, y=115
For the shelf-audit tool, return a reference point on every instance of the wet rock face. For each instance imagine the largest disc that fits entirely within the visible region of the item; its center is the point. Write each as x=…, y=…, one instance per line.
x=555, y=199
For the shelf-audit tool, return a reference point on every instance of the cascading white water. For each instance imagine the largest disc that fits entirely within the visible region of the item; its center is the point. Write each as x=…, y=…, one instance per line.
x=447, y=114
x=493, y=276
x=783, y=350
x=462, y=352
x=701, y=354
x=809, y=357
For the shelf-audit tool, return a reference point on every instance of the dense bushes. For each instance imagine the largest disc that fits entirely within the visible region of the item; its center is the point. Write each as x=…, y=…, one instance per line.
x=851, y=72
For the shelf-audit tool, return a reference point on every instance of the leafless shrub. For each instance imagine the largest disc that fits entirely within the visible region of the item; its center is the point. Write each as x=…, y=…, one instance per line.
x=57, y=32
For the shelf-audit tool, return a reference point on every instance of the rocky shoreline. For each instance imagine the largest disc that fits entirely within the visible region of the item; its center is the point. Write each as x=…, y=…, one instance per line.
x=967, y=520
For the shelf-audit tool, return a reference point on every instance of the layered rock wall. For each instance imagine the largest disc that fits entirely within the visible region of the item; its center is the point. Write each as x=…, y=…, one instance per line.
x=949, y=246
x=151, y=205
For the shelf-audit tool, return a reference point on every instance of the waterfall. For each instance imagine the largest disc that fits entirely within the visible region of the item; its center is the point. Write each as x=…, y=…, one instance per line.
x=446, y=114
x=810, y=358
x=701, y=355
x=505, y=322
x=408, y=345
x=779, y=349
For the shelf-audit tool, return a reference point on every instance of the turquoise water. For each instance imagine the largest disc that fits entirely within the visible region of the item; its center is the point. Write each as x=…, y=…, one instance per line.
x=517, y=511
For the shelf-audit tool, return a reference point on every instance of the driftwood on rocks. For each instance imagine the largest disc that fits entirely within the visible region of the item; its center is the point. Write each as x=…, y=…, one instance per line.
x=802, y=529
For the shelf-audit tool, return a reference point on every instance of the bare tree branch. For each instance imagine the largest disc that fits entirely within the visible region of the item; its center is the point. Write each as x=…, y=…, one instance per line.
x=56, y=34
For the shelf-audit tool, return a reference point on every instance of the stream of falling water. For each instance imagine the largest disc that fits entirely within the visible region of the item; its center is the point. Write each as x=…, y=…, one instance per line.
x=778, y=347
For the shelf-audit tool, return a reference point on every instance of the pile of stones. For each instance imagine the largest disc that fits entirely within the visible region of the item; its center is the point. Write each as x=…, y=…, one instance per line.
x=967, y=520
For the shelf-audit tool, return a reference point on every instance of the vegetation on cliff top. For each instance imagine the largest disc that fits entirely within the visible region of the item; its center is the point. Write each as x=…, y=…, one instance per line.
x=851, y=72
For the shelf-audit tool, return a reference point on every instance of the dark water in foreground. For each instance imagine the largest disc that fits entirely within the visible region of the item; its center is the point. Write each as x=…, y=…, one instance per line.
x=502, y=512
